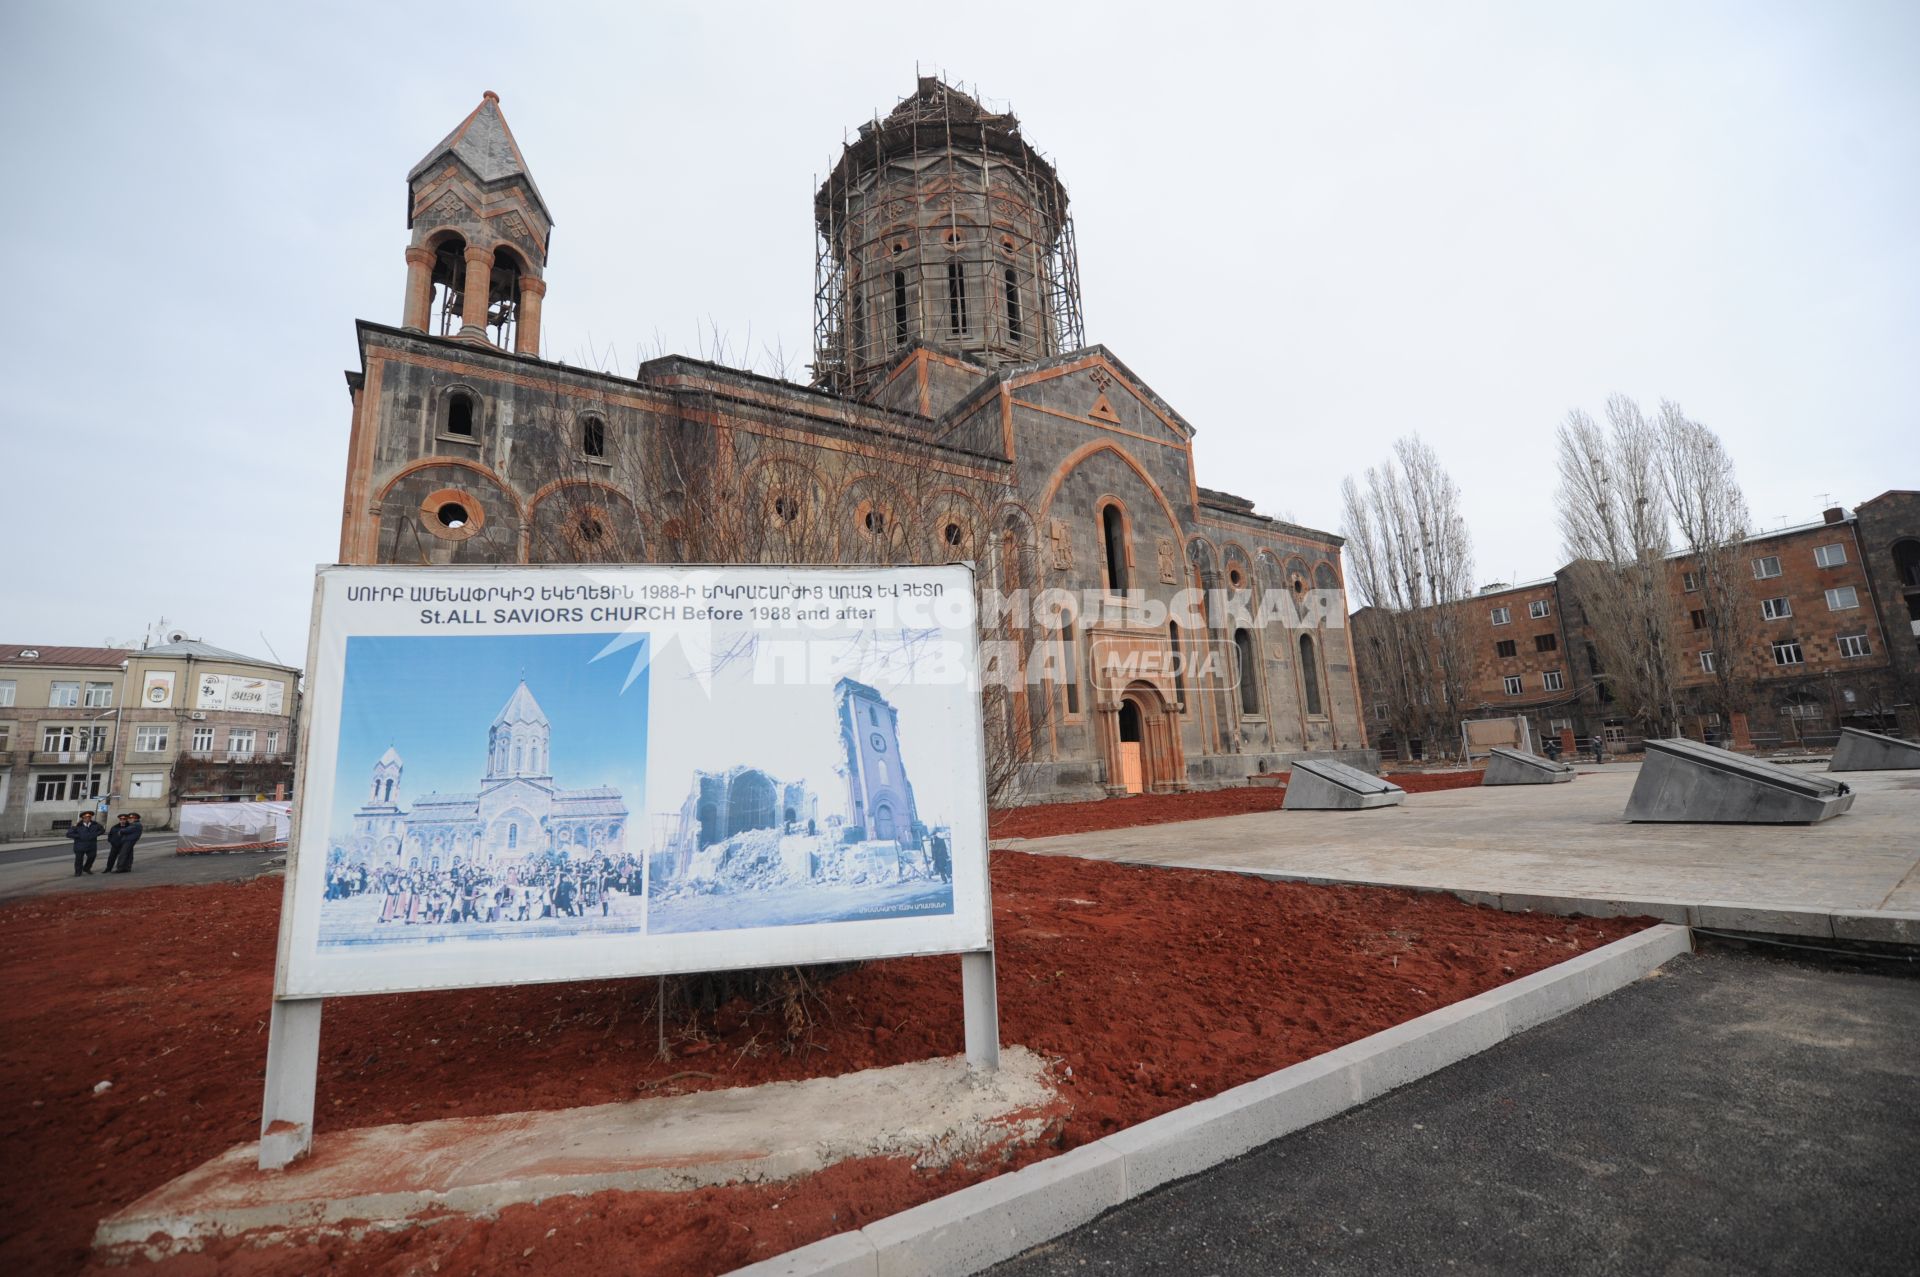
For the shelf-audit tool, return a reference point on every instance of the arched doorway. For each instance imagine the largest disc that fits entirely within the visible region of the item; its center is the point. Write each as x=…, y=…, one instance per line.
x=884, y=827
x=1143, y=743
x=1131, y=777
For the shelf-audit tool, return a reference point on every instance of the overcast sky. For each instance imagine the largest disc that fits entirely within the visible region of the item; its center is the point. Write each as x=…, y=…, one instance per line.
x=1311, y=228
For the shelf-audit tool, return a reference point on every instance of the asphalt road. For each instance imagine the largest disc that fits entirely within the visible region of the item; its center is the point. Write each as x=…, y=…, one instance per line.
x=1734, y=1113
x=38, y=870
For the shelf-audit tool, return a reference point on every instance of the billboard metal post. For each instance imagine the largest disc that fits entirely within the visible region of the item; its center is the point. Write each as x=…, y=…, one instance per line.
x=980, y=1004
x=293, y=1070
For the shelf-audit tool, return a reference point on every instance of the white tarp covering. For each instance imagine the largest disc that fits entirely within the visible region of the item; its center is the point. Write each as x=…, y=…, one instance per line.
x=554, y=773
x=233, y=826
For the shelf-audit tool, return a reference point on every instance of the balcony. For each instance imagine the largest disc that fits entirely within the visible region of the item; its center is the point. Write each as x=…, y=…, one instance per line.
x=70, y=758
x=238, y=756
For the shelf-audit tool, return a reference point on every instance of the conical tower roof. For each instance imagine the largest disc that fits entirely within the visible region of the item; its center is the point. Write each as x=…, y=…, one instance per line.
x=391, y=756
x=521, y=708
x=485, y=144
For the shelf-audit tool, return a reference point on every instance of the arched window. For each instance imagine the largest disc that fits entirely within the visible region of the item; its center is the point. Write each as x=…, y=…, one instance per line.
x=519, y=758
x=859, y=322
x=957, y=297
x=1310, y=675
x=1249, y=671
x=1179, y=661
x=593, y=437
x=899, y=308
x=460, y=414
x=1113, y=530
x=1014, y=330
x=513, y=836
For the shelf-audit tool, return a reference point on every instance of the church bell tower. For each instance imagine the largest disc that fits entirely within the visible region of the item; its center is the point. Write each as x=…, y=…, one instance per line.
x=480, y=228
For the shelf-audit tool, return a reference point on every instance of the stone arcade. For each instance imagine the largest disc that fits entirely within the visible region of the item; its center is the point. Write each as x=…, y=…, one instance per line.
x=956, y=413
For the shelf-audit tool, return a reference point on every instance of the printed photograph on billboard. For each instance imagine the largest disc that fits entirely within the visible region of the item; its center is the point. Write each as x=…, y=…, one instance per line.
x=520, y=774
x=497, y=772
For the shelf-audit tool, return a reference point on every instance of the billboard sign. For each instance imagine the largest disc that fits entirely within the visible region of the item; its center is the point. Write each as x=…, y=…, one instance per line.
x=511, y=775
x=241, y=693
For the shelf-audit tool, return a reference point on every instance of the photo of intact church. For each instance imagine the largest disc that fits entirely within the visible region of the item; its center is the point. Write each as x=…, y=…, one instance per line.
x=517, y=812
x=955, y=411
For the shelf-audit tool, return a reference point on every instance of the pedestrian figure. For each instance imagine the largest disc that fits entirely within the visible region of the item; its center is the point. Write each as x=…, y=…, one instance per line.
x=1599, y=748
x=121, y=840
x=85, y=833
x=942, y=860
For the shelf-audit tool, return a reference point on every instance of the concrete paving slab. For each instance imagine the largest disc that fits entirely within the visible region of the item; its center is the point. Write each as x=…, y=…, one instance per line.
x=932, y=1110
x=841, y=1255
x=1886, y=926
x=1563, y=841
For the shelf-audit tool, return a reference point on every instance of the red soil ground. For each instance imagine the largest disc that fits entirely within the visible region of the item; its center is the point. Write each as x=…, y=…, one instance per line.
x=1155, y=987
x=1158, y=809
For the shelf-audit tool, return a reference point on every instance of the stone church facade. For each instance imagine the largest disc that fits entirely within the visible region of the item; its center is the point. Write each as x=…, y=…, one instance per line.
x=956, y=413
x=517, y=811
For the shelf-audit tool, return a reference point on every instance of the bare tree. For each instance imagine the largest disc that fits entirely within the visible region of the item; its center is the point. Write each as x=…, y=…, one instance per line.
x=1613, y=517
x=1710, y=513
x=1410, y=557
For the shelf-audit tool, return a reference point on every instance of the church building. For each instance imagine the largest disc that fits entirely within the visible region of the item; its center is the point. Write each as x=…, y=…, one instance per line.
x=516, y=812
x=955, y=412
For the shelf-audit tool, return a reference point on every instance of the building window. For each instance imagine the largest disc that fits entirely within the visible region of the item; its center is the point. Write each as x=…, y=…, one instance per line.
x=1551, y=681
x=1179, y=661
x=899, y=308
x=57, y=740
x=1764, y=568
x=1512, y=683
x=1538, y=609
x=460, y=414
x=1829, y=556
x=99, y=695
x=880, y=772
x=593, y=437
x=7, y=690
x=150, y=738
x=1014, y=329
x=240, y=740
x=64, y=695
x=273, y=742
x=1310, y=675
x=513, y=835
x=6, y=737
x=1249, y=671
x=1842, y=599
x=1852, y=645
x=1690, y=582
x=1776, y=609
x=145, y=784
x=1113, y=529
x=1073, y=668
x=1706, y=662
x=1698, y=618
x=1546, y=642
x=50, y=789
x=202, y=740
x=957, y=298
x=1788, y=653
x=1506, y=647
x=1502, y=616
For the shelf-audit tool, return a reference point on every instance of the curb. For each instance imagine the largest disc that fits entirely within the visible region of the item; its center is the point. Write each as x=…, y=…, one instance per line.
x=1886, y=926
x=999, y=1218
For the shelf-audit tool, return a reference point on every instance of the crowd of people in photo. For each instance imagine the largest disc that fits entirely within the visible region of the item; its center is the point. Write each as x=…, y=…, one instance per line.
x=547, y=885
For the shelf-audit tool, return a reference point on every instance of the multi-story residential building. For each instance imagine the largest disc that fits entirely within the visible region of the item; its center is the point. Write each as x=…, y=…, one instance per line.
x=1835, y=607
x=138, y=729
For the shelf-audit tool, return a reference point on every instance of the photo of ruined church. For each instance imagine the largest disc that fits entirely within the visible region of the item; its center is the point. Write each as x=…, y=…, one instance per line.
x=748, y=849
x=955, y=411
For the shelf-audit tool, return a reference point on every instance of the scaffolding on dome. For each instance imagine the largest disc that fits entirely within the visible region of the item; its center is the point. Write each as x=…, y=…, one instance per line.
x=941, y=224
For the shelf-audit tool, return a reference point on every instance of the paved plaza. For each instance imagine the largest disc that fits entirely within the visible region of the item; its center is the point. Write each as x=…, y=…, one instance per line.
x=34, y=869
x=1558, y=841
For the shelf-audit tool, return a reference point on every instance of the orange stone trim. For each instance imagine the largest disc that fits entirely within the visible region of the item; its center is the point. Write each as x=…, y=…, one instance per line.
x=1086, y=450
